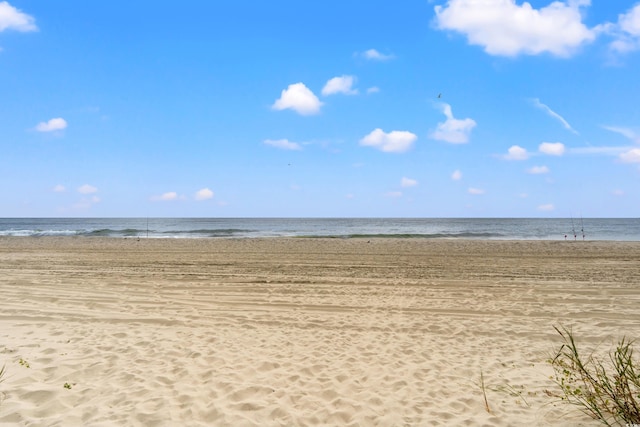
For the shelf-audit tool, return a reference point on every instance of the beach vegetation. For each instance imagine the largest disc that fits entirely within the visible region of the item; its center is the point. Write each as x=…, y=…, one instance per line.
x=503, y=389
x=484, y=392
x=605, y=387
x=3, y=372
x=514, y=392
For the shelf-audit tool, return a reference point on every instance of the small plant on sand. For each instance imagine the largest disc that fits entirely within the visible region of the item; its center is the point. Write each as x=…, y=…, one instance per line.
x=484, y=392
x=607, y=390
x=3, y=371
x=24, y=363
x=67, y=386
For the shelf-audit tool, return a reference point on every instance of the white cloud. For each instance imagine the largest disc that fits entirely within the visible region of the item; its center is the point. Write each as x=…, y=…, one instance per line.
x=456, y=175
x=516, y=152
x=505, y=28
x=392, y=142
x=298, y=98
x=86, y=203
x=605, y=151
x=52, y=125
x=374, y=55
x=342, y=84
x=408, y=182
x=547, y=207
x=283, y=144
x=204, y=194
x=627, y=31
x=536, y=102
x=538, y=170
x=373, y=89
x=552, y=148
x=165, y=197
x=475, y=191
x=13, y=19
x=631, y=156
x=59, y=189
x=630, y=21
x=618, y=193
x=627, y=133
x=453, y=130
x=87, y=189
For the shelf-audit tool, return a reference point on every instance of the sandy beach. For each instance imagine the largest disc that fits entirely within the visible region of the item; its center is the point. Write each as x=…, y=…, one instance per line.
x=302, y=331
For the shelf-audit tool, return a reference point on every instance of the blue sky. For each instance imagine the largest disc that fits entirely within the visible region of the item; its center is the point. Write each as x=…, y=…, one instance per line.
x=419, y=108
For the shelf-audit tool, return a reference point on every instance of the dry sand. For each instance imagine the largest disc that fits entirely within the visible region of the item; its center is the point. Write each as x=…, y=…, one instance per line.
x=296, y=332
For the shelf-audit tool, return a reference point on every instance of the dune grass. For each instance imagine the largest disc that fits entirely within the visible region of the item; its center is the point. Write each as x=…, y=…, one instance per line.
x=484, y=392
x=606, y=388
x=3, y=372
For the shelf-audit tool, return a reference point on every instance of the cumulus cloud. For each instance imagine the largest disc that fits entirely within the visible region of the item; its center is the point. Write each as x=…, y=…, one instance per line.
x=631, y=156
x=298, y=98
x=392, y=142
x=373, y=89
x=630, y=21
x=475, y=191
x=538, y=170
x=374, y=55
x=408, y=182
x=14, y=19
x=52, y=125
x=547, y=207
x=86, y=203
x=627, y=31
x=283, y=144
x=342, y=84
x=536, y=102
x=204, y=194
x=552, y=148
x=456, y=175
x=166, y=197
x=453, y=130
x=516, y=152
x=87, y=189
x=505, y=28
x=59, y=189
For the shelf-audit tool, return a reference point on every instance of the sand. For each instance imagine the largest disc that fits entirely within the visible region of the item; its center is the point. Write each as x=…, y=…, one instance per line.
x=302, y=332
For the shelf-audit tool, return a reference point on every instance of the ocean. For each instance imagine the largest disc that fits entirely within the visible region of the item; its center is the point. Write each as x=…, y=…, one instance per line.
x=618, y=229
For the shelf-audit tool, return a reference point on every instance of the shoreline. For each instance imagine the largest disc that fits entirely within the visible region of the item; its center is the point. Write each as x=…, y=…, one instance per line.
x=302, y=331
x=623, y=229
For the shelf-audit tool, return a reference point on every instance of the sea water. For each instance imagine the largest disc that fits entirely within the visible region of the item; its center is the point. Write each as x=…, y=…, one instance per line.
x=434, y=228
